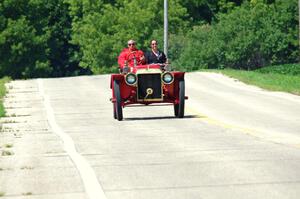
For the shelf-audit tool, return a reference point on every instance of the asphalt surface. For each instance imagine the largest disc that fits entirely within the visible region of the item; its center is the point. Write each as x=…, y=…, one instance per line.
x=60, y=141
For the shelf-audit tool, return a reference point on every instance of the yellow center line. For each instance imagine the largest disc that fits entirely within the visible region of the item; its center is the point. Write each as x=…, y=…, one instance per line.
x=249, y=131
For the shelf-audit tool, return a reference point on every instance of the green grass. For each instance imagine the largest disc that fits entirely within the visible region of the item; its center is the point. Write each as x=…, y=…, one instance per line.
x=286, y=69
x=7, y=153
x=27, y=193
x=8, y=145
x=2, y=93
x=278, y=80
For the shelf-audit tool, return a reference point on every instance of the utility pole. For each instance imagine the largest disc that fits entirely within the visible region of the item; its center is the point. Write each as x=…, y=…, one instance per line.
x=166, y=27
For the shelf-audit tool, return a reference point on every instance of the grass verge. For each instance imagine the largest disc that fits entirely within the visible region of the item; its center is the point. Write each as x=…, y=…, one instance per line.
x=2, y=93
x=270, y=81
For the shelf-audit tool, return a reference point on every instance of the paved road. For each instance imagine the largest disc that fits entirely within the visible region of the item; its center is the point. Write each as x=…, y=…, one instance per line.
x=59, y=141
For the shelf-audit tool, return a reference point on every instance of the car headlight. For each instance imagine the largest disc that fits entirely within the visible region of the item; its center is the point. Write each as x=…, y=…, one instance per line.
x=130, y=78
x=167, y=78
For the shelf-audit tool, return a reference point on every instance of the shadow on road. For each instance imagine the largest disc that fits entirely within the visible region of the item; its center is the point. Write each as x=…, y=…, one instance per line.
x=160, y=118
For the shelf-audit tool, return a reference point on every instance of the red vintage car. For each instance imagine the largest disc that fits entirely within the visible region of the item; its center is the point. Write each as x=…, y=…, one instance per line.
x=147, y=84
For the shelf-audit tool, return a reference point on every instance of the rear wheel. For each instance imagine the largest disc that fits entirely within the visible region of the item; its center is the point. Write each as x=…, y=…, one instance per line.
x=117, y=104
x=179, y=108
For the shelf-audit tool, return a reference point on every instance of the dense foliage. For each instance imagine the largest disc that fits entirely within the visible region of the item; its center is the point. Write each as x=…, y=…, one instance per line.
x=34, y=39
x=249, y=37
x=40, y=38
x=102, y=29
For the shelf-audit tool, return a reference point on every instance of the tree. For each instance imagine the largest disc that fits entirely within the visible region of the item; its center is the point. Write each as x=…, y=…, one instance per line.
x=34, y=39
x=205, y=11
x=299, y=23
x=251, y=36
x=22, y=50
x=103, y=29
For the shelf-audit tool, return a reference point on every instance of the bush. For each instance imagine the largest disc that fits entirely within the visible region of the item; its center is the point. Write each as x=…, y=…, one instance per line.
x=249, y=37
x=2, y=94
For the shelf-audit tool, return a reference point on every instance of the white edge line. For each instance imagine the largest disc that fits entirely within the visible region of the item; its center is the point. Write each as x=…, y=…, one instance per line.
x=88, y=176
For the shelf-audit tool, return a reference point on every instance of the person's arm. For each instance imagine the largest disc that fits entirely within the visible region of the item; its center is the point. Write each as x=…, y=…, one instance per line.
x=122, y=58
x=146, y=58
x=142, y=59
x=163, y=58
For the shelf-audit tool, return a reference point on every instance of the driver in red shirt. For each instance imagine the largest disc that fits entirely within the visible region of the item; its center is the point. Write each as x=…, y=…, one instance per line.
x=131, y=56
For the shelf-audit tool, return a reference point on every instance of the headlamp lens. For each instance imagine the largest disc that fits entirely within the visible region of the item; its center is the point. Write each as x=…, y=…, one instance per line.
x=131, y=79
x=167, y=78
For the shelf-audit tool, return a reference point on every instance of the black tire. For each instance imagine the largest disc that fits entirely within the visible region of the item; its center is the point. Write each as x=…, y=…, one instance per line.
x=118, y=106
x=114, y=110
x=180, y=113
x=176, y=110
